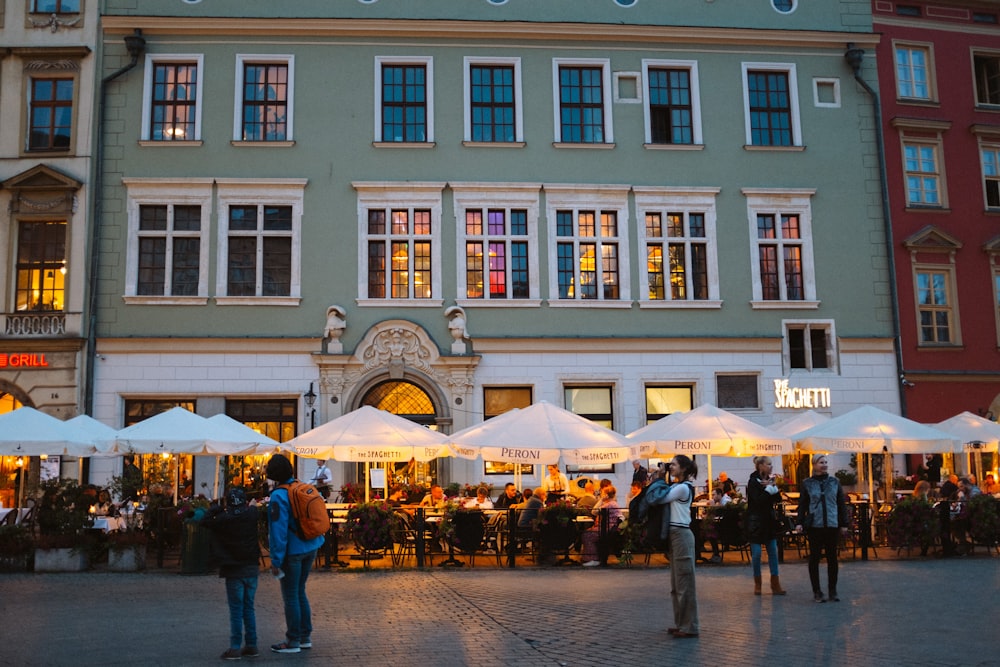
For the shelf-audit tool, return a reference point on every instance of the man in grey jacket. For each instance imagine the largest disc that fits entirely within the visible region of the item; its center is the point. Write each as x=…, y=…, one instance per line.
x=823, y=512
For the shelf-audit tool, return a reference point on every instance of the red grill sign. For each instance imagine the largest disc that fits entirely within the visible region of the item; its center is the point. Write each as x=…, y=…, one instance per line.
x=17, y=360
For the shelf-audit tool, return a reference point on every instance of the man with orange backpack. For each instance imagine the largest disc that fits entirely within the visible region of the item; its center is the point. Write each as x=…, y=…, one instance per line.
x=291, y=558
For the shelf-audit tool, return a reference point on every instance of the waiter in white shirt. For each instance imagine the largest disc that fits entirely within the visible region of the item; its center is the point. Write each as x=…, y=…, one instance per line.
x=322, y=478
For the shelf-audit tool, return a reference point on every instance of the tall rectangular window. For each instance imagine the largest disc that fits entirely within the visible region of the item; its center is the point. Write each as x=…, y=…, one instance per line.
x=50, y=114
x=779, y=248
x=923, y=176
x=809, y=345
x=986, y=67
x=399, y=253
x=169, y=250
x=265, y=101
x=404, y=103
x=492, y=105
x=676, y=256
x=587, y=254
x=581, y=104
x=41, y=266
x=174, y=101
x=670, y=106
x=913, y=75
x=496, y=251
x=276, y=418
x=770, y=108
x=259, y=261
x=935, y=305
x=991, y=174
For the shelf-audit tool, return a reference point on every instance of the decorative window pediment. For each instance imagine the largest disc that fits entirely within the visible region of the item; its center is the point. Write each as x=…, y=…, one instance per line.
x=42, y=189
x=932, y=239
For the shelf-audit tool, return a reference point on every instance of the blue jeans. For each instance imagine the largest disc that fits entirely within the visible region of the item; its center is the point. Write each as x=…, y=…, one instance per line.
x=298, y=615
x=772, y=557
x=240, y=592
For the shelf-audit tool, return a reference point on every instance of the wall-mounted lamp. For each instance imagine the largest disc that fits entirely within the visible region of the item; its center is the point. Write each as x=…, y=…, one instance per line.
x=310, y=398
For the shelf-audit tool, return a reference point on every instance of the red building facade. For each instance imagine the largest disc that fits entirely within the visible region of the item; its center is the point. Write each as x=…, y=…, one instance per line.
x=939, y=84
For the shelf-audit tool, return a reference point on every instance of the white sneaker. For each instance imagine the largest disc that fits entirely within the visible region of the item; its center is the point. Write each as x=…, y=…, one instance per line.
x=592, y=563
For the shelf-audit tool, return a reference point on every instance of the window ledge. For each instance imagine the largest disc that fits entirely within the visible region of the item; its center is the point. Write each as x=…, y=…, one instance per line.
x=784, y=305
x=588, y=303
x=404, y=144
x=566, y=144
x=499, y=303
x=146, y=143
x=989, y=108
x=940, y=347
x=927, y=209
x=708, y=304
x=674, y=147
x=778, y=149
x=257, y=300
x=400, y=303
x=144, y=300
x=918, y=102
x=261, y=144
x=494, y=144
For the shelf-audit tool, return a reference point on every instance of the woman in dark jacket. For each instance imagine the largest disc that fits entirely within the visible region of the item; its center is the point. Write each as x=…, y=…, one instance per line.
x=762, y=499
x=823, y=512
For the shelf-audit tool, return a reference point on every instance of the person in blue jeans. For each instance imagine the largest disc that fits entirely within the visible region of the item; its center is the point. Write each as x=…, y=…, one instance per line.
x=291, y=558
x=236, y=550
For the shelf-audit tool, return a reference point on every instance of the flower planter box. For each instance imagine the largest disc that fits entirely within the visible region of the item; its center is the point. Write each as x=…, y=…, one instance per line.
x=127, y=559
x=60, y=560
x=14, y=562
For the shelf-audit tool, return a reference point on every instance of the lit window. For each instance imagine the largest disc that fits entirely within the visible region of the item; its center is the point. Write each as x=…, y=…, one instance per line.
x=171, y=99
x=664, y=401
x=597, y=405
x=41, y=266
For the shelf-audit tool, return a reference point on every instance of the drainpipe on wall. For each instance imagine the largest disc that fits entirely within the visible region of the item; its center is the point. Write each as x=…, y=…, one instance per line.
x=855, y=57
x=135, y=44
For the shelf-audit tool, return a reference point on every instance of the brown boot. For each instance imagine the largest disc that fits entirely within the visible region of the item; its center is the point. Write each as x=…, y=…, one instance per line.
x=776, y=586
x=756, y=585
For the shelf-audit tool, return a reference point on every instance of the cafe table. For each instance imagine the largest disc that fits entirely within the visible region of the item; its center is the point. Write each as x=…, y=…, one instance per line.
x=108, y=523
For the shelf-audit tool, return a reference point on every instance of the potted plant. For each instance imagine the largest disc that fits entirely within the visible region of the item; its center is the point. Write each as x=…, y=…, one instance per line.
x=984, y=519
x=372, y=525
x=557, y=529
x=127, y=545
x=351, y=492
x=15, y=548
x=913, y=522
x=62, y=516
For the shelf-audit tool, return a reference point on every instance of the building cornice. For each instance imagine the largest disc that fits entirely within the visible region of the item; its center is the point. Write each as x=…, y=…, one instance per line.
x=396, y=28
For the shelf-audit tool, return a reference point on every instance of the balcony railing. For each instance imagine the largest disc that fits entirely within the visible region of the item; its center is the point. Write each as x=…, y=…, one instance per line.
x=41, y=324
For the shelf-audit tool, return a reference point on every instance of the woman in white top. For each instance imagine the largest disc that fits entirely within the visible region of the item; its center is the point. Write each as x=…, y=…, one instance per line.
x=682, y=587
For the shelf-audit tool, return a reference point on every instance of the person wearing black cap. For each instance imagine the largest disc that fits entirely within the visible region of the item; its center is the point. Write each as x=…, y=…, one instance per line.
x=236, y=550
x=291, y=558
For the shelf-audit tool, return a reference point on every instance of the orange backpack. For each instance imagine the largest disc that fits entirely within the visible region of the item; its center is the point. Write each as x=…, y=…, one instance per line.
x=310, y=519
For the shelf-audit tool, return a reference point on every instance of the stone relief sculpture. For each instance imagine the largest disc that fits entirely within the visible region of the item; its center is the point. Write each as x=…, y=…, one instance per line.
x=456, y=326
x=336, y=322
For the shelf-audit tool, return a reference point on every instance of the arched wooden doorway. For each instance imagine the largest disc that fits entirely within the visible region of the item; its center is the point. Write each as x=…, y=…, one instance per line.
x=405, y=399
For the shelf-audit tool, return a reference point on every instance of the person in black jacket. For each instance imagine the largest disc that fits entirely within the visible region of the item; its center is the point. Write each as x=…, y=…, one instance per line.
x=763, y=503
x=236, y=549
x=823, y=512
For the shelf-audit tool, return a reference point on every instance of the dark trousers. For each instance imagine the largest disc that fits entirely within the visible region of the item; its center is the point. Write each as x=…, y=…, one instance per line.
x=823, y=540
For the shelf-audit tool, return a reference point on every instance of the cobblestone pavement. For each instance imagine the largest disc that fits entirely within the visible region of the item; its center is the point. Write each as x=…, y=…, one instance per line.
x=914, y=612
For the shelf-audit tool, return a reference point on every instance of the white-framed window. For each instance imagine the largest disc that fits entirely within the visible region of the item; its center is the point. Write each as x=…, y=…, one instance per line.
x=771, y=105
x=171, y=97
x=52, y=110
x=404, y=100
x=168, y=251
x=937, y=305
x=663, y=400
x=399, y=251
x=260, y=241
x=582, y=101
x=922, y=173
x=781, y=242
x=809, y=345
x=497, y=226
x=588, y=228
x=265, y=99
x=986, y=69
x=493, y=104
x=914, y=72
x=672, y=105
x=677, y=234
x=996, y=293
x=737, y=391
x=990, y=154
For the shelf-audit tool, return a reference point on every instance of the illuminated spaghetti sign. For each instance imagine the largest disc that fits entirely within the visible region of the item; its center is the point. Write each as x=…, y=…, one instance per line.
x=17, y=360
x=800, y=397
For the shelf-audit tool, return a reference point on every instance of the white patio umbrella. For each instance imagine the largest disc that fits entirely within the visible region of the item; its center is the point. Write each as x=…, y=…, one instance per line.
x=868, y=429
x=98, y=432
x=30, y=432
x=542, y=433
x=710, y=430
x=180, y=431
x=369, y=435
x=239, y=432
x=976, y=434
x=796, y=424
